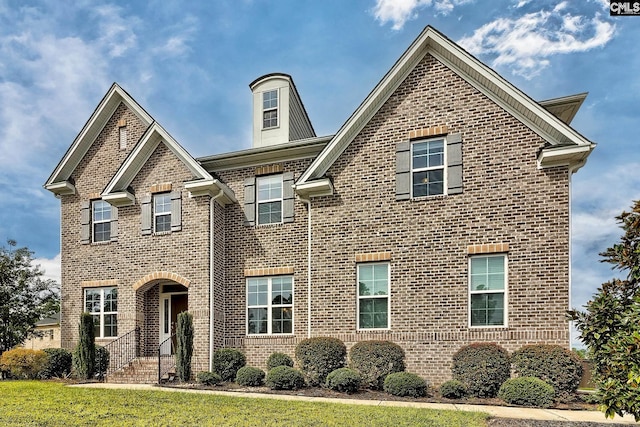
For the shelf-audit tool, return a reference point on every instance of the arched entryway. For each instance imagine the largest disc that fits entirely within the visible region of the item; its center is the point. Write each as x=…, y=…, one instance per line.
x=160, y=297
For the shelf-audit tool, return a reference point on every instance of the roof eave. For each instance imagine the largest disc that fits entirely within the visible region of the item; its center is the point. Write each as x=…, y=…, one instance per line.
x=315, y=188
x=572, y=156
x=211, y=187
x=63, y=188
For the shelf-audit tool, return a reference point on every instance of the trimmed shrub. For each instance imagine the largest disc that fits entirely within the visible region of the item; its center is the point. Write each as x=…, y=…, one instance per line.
x=227, y=361
x=284, y=378
x=344, y=380
x=527, y=391
x=208, y=378
x=22, y=363
x=319, y=356
x=453, y=389
x=58, y=363
x=249, y=376
x=375, y=360
x=591, y=398
x=553, y=364
x=279, y=359
x=184, y=345
x=405, y=384
x=483, y=367
x=84, y=355
x=102, y=362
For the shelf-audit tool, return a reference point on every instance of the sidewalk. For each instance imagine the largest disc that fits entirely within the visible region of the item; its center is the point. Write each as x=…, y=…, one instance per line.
x=494, y=411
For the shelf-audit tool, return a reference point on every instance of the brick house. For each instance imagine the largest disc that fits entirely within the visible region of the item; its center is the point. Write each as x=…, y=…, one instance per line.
x=437, y=215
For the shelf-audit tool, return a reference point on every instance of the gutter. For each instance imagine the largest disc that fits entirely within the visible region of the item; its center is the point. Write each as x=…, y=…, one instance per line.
x=211, y=262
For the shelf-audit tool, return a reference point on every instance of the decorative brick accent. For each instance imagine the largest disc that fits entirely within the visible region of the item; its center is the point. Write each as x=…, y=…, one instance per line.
x=98, y=283
x=93, y=196
x=487, y=248
x=158, y=275
x=432, y=131
x=275, y=271
x=374, y=256
x=161, y=188
x=269, y=169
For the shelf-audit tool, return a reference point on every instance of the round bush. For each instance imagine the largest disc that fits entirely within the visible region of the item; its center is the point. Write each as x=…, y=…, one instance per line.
x=405, y=384
x=279, y=359
x=453, y=389
x=344, y=380
x=58, y=363
x=483, y=367
x=284, y=378
x=208, y=378
x=317, y=357
x=22, y=363
x=527, y=391
x=249, y=376
x=375, y=360
x=227, y=361
x=554, y=364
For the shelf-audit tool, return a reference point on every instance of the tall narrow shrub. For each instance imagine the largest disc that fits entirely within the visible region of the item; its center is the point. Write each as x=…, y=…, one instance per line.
x=84, y=356
x=184, y=350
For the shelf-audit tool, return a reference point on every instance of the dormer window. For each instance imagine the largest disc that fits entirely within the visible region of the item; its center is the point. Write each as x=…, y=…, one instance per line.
x=270, y=109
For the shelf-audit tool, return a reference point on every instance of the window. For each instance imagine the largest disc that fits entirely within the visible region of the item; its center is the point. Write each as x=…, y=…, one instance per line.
x=373, y=296
x=427, y=167
x=102, y=303
x=101, y=224
x=161, y=212
x=269, y=199
x=487, y=289
x=270, y=305
x=270, y=109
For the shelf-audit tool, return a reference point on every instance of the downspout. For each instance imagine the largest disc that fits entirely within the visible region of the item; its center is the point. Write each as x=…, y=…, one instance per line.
x=211, y=261
x=308, y=203
x=571, y=170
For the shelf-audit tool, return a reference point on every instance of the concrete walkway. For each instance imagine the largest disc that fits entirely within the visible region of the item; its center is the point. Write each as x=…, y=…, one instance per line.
x=494, y=411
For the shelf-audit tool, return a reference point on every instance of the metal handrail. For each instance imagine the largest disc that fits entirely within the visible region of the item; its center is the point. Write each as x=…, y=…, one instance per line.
x=123, y=350
x=166, y=357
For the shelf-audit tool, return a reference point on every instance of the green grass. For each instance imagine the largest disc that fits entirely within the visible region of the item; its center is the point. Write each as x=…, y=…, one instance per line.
x=34, y=403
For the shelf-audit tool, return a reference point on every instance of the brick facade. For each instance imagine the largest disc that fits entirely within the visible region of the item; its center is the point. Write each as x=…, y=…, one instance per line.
x=508, y=206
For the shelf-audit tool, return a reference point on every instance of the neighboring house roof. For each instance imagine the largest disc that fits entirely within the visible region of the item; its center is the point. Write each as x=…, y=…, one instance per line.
x=117, y=191
x=54, y=320
x=552, y=129
x=60, y=181
x=566, y=107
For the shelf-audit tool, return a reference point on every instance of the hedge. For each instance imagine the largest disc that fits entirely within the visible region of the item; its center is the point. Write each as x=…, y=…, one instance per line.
x=375, y=360
x=483, y=367
x=317, y=357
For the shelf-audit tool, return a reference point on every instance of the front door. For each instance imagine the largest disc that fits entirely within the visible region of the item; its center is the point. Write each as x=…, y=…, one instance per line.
x=170, y=306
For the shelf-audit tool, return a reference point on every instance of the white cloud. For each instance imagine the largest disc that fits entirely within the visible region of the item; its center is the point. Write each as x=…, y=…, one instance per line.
x=50, y=267
x=525, y=43
x=398, y=12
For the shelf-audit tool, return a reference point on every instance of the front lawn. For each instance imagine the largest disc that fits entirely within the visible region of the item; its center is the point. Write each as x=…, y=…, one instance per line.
x=36, y=403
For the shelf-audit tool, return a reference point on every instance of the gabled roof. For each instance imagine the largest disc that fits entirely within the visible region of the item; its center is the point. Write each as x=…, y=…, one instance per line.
x=430, y=41
x=117, y=191
x=59, y=182
x=566, y=107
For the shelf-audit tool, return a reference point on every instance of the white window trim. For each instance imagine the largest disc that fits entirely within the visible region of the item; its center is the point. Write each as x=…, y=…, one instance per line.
x=269, y=306
x=443, y=167
x=277, y=199
x=276, y=109
x=388, y=296
x=155, y=214
x=494, y=291
x=94, y=222
x=101, y=313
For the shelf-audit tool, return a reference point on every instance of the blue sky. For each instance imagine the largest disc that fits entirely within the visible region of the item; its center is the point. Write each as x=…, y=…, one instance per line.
x=189, y=63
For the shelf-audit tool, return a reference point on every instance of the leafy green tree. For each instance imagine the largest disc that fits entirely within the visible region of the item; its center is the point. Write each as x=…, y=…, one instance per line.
x=610, y=325
x=184, y=350
x=25, y=297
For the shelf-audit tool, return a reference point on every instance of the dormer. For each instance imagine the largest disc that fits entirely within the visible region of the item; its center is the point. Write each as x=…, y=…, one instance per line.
x=278, y=113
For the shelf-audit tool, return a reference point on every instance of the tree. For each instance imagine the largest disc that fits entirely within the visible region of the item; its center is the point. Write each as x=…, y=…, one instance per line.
x=25, y=297
x=84, y=355
x=610, y=325
x=184, y=350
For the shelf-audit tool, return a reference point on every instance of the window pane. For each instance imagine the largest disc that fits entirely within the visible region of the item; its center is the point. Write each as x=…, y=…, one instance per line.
x=270, y=187
x=257, y=320
x=487, y=309
x=374, y=313
x=281, y=323
x=270, y=119
x=495, y=265
x=479, y=265
x=428, y=183
x=111, y=299
x=101, y=211
x=258, y=292
x=110, y=325
x=101, y=231
x=270, y=213
x=163, y=223
x=487, y=273
x=92, y=300
x=162, y=203
x=270, y=99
